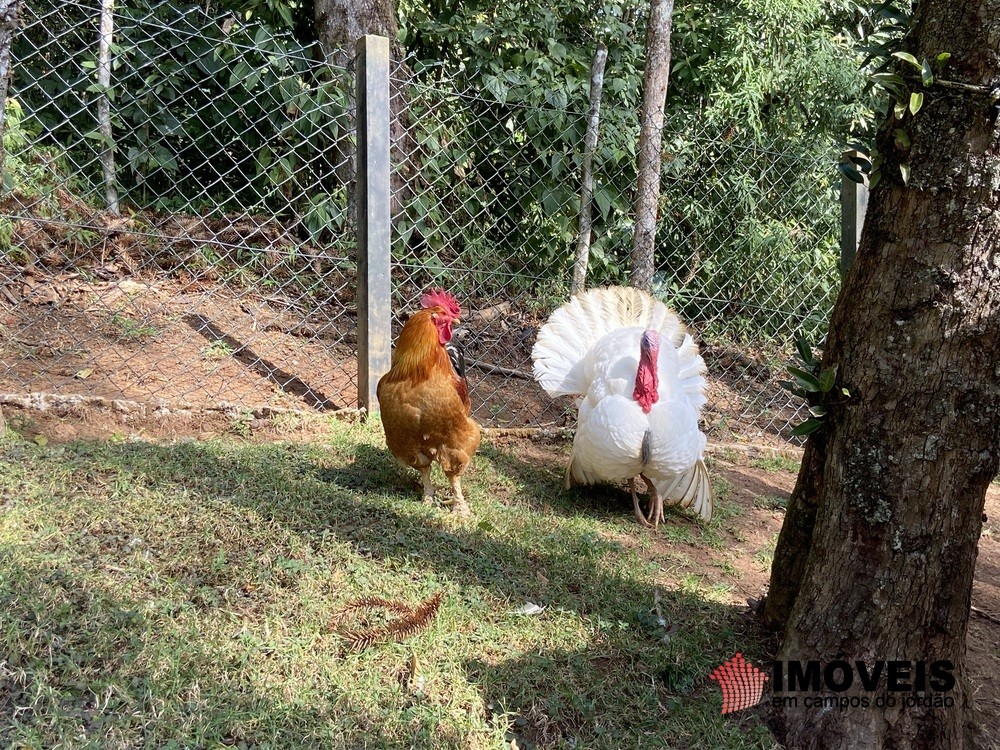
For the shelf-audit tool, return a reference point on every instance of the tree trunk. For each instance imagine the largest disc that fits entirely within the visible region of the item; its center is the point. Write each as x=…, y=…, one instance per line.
x=339, y=24
x=104, y=105
x=587, y=180
x=875, y=560
x=656, y=78
x=9, y=10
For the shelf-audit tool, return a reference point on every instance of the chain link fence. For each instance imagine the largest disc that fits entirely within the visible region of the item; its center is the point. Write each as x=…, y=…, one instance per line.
x=229, y=275
x=487, y=203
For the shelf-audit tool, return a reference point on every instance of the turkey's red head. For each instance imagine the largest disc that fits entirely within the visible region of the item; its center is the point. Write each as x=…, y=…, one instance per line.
x=647, y=381
x=444, y=311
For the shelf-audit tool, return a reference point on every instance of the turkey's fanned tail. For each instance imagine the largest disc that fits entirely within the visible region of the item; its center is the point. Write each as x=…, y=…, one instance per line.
x=693, y=490
x=575, y=327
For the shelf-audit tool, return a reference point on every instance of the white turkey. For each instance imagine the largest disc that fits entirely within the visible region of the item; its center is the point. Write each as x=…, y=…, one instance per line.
x=641, y=385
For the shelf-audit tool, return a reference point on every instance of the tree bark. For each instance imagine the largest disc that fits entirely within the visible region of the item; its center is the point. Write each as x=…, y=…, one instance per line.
x=587, y=187
x=656, y=77
x=9, y=10
x=104, y=104
x=876, y=556
x=339, y=24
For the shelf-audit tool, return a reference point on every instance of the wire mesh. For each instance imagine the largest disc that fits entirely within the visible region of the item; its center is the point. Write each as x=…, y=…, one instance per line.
x=487, y=199
x=229, y=274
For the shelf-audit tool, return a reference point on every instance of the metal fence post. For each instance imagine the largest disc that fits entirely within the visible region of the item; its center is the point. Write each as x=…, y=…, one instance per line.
x=372, y=201
x=853, y=204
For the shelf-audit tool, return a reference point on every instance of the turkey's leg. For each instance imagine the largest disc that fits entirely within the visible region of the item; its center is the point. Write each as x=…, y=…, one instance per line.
x=655, y=505
x=639, y=516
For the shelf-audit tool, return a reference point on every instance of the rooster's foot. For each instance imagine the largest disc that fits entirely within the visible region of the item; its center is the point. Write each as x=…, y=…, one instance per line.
x=458, y=505
x=425, y=476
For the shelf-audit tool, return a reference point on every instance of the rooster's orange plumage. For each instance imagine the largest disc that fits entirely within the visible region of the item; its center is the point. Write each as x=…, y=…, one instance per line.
x=424, y=402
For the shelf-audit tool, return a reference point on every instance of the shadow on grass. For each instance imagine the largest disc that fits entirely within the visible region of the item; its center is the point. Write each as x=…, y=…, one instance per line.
x=623, y=687
x=82, y=668
x=602, y=502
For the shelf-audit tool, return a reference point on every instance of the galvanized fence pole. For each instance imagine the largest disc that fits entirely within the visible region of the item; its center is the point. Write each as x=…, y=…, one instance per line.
x=372, y=200
x=853, y=204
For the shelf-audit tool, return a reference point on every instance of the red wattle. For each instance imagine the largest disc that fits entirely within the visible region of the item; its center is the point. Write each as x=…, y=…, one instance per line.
x=647, y=382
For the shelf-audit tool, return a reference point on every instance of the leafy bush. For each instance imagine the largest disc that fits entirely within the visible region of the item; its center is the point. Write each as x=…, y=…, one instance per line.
x=224, y=116
x=760, y=95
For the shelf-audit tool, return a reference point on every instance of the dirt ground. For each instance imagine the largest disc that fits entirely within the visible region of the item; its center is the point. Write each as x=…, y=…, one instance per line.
x=757, y=489
x=185, y=341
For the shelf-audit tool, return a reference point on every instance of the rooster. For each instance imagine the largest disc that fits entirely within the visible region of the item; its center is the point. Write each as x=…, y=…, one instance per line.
x=424, y=398
x=640, y=380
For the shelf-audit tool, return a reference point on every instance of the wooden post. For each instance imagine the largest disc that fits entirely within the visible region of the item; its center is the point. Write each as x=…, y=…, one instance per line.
x=587, y=189
x=853, y=205
x=373, y=221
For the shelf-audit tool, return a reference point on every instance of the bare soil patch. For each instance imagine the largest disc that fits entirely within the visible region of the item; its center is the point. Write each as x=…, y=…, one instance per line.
x=135, y=322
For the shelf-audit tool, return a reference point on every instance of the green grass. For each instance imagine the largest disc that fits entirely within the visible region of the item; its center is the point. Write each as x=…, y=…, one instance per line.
x=130, y=329
x=180, y=595
x=765, y=556
x=770, y=502
x=776, y=462
x=217, y=350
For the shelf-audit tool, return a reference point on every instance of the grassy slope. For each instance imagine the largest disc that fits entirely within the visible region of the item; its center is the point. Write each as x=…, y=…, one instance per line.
x=180, y=596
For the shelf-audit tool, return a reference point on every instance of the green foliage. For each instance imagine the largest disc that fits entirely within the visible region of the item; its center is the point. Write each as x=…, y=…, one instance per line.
x=232, y=115
x=779, y=70
x=759, y=94
x=509, y=157
x=33, y=172
x=814, y=383
x=878, y=33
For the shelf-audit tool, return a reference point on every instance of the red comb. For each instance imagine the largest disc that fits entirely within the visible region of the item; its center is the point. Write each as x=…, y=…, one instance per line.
x=441, y=298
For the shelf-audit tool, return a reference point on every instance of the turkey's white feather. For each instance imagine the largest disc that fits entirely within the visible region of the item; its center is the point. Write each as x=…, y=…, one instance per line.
x=573, y=329
x=589, y=347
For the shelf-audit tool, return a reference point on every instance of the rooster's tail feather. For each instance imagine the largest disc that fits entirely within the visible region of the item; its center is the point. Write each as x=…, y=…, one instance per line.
x=575, y=327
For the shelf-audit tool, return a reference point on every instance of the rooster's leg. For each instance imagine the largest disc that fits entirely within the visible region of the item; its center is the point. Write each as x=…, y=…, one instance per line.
x=425, y=475
x=459, y=506
x=635, y=504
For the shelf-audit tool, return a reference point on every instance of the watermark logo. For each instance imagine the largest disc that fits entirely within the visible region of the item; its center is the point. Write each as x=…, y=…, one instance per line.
x=742, y=684
x=818, y=685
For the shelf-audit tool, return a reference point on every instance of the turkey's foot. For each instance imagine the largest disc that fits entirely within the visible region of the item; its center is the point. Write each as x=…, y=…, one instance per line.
x=639, y=515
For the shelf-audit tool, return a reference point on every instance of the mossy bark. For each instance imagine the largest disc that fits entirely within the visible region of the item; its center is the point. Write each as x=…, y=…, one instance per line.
x=877, y=553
